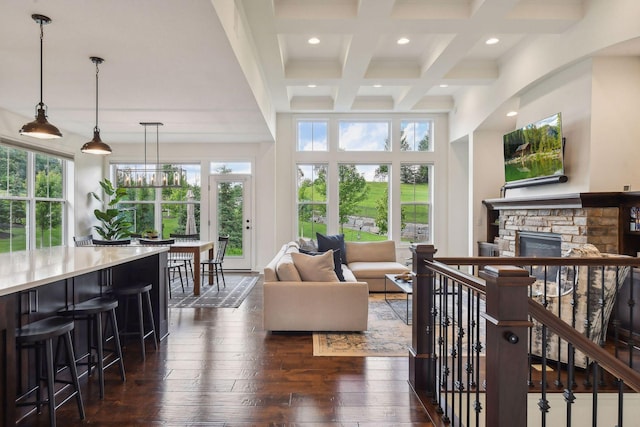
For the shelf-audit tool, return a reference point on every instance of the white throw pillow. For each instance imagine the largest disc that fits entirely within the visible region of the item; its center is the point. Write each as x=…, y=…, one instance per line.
x=318, y=268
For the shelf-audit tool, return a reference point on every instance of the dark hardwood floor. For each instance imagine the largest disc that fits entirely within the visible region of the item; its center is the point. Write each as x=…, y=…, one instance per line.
x=218, y=367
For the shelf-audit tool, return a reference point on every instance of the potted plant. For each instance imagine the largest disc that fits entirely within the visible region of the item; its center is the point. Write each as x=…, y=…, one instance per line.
x=150, y=234
x=113, y=223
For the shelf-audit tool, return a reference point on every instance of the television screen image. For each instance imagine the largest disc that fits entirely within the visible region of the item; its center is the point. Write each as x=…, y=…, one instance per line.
x=534, y=151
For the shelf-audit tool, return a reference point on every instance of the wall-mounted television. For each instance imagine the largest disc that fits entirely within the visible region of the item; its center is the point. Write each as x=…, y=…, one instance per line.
x=533, y=154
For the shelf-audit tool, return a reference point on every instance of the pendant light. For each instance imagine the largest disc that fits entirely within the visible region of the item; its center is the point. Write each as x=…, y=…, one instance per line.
x=40, y=127
x=96, y=146
x=151, y=176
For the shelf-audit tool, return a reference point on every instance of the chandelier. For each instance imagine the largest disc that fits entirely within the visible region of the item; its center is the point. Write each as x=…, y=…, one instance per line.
x=152, y=175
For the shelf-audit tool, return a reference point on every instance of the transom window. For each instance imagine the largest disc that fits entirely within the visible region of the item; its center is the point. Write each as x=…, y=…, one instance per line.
x=364, y=136
x=312, y=136
x=416, y=136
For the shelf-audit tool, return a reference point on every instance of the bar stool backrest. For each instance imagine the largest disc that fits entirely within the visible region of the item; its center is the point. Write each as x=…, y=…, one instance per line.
x=83, y=240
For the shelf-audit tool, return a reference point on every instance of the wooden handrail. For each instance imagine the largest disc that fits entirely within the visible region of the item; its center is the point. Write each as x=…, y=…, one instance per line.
x=457, y=275
x=585, y=345
x=520, y=261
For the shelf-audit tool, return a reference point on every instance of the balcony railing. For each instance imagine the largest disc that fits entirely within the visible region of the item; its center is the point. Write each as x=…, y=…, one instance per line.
x=490, y=332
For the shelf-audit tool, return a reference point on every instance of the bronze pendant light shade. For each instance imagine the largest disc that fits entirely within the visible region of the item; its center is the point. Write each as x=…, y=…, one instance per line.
x=40, y=127
x=96, y=146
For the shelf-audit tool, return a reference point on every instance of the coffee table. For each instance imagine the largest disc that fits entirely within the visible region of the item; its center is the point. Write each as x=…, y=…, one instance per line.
x=405, y=287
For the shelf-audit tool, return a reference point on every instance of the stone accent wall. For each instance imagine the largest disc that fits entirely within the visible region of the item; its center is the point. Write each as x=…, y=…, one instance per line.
x=598, y=226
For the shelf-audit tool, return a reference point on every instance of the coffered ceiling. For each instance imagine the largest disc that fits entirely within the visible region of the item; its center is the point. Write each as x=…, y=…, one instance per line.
x=358, y=64
x=220, y=70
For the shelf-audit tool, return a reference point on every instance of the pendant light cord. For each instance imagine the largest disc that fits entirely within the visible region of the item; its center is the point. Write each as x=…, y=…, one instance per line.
x=41, y=68
x=97, y=71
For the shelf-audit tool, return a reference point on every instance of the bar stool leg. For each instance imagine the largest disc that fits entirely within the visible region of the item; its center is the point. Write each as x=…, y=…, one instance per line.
x=50, y=371
x=97, y=323
x=141, y=324
x=116, y=338
x=153, y=325
x=71, y=360
x=38, y=349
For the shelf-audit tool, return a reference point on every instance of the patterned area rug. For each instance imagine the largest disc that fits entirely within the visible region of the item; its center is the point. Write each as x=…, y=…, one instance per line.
x=231, y=296
x=387, y=335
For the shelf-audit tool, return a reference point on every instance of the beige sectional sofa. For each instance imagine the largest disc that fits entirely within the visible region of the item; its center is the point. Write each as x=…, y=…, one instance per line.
x=291, y=304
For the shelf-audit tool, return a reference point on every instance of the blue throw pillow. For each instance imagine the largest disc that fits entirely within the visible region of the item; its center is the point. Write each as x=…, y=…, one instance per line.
x=337, y=266
x=335, y=242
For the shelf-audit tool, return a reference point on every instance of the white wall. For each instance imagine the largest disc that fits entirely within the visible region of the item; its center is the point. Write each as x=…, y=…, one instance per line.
x=458, y=189
x=568, y=92
x=487, y=177
x=615, y=124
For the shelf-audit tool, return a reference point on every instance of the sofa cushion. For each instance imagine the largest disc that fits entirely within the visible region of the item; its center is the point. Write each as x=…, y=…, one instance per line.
x=379, y=251
x=334, y=242
x=318, y=268
x=348, y=274
x=286, y=269
x=307, y=244
x=337, y=266
x=373, y=270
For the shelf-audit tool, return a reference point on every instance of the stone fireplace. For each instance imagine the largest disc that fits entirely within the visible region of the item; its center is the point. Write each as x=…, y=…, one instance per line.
x=576, y=218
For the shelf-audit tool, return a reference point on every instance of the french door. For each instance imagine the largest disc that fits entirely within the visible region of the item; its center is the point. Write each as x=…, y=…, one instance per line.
x=230, y=198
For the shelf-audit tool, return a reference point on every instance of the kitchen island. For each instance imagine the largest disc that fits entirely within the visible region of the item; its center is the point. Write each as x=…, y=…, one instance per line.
x=36, y=284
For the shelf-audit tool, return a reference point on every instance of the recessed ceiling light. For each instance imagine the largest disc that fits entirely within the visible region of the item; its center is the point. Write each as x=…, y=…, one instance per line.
x=313, y=40
x=444, y=85
x=311, y=85
x=377, y=85
x=512, y=113
x=492, y=40
x=403, y=40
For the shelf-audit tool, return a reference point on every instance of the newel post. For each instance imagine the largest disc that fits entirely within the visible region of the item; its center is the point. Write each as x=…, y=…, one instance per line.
x=506, y=349
x=422, y=362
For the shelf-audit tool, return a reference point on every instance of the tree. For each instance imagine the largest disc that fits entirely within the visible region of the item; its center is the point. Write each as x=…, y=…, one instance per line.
x=230, y=210
x=48, y=214
x=381, y=172
x=353, y=190
x=382, y=212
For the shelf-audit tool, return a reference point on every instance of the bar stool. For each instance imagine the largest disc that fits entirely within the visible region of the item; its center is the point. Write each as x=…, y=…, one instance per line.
x=40, y=334
x=91, y=311
x=137, y=290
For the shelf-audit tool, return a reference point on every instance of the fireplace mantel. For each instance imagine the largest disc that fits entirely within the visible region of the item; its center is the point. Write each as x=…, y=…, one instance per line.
x=563, y=201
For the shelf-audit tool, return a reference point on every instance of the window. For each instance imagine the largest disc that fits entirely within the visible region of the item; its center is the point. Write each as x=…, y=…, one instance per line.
x=217, y=168
x=363, y=203
x=312, y=136
x=374, y=183
x=32, y=199
x=312, y=200
x=49, y=203
x=170, y=210
x=414, y=202
x=363, y=136
x=415, y=136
